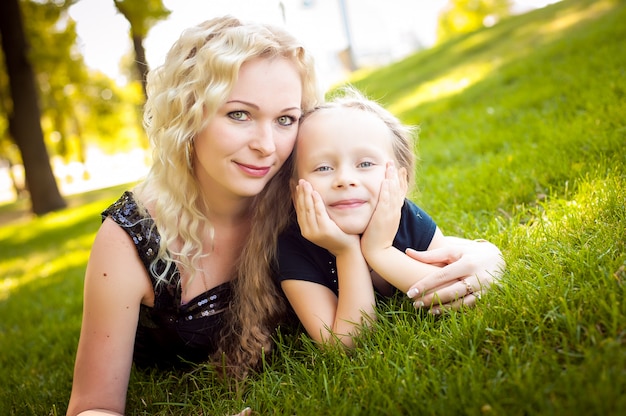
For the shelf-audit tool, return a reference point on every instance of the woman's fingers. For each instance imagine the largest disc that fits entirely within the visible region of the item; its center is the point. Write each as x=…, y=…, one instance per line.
x=441, y=278
x=469, y=301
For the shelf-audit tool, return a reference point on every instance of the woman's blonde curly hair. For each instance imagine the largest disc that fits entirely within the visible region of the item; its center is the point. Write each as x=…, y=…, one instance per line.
x=184, y=93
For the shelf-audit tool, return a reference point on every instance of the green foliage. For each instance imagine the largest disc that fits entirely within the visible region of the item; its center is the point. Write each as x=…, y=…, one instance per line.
x=522, y=142
x=464, y=16
x=142, y=14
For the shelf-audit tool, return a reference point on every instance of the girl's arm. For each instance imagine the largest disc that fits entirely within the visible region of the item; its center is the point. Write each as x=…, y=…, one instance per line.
x=326, y=317
x=115, y=285
x=390, y=263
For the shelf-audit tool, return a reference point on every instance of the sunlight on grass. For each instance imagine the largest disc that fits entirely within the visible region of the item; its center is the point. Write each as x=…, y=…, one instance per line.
x=17, y=272
x=45, y=258
x=452, y=83
x=54, y=221
x=565, y=21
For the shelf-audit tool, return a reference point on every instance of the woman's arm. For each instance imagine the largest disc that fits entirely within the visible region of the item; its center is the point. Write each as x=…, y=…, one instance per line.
x=115, y=285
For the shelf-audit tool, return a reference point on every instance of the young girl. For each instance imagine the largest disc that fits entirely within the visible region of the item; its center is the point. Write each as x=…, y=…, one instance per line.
x=354, y=161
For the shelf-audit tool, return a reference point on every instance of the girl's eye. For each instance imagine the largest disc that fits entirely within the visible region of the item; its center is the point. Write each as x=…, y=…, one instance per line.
x=286, y=120
x=322, y=169
x=365, y=165
x=238, y=115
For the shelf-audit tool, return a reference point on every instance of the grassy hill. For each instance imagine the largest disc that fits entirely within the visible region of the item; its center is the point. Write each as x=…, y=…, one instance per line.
x=523, y=132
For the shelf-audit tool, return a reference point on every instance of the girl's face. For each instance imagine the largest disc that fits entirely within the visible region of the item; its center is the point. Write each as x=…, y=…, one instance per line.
x=343, y=153
x=253, y=133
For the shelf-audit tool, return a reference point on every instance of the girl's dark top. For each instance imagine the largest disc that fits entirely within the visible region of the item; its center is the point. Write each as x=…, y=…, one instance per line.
x=299, y=259
x=168, y=334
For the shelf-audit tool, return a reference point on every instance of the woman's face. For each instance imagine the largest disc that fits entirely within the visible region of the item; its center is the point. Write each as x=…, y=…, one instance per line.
x=252, y=134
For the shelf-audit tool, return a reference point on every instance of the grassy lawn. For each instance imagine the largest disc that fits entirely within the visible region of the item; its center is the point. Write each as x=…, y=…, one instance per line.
x=523, y=137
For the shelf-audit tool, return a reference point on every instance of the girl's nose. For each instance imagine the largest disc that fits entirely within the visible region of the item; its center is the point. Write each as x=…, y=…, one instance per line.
x=344, y=178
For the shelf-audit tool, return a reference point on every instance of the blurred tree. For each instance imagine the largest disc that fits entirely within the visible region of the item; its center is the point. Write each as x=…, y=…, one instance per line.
x=142, y=15
x=60, y=71
x=24, y=116
x=463, y=16
x=80, y=108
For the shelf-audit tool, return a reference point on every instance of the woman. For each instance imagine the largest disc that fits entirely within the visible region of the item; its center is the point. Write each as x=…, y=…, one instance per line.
x=180, y=266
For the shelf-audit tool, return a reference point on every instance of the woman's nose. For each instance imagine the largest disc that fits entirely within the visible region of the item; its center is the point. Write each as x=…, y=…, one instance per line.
x=263, y=140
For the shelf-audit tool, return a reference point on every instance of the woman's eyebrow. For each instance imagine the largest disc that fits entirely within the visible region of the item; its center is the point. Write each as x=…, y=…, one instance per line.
x=256, y=107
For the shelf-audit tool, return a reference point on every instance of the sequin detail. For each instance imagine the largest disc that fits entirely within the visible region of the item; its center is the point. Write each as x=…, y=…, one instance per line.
x=169, y=329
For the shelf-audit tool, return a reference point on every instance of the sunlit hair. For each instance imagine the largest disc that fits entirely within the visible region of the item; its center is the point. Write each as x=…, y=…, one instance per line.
x=402, y=136
x=184, y=93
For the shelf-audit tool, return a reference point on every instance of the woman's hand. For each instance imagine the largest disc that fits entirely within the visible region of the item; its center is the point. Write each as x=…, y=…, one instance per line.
x=470, y=268
x=315, y=224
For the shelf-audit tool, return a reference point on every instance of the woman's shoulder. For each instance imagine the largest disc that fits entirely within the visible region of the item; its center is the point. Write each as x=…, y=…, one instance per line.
x=126, y=209
x=130, y=215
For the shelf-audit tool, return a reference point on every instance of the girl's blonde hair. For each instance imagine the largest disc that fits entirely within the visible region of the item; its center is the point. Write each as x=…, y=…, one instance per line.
x=184, y=93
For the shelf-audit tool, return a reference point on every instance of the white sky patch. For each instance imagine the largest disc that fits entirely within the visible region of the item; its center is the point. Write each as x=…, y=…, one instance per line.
x=380, y=31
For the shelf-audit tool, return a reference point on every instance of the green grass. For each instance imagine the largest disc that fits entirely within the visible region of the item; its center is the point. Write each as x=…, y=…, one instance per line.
x=523, y=132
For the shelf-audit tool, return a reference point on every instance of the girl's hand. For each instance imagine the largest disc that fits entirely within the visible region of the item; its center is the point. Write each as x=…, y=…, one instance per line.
x=471, y=267
x=315, y=224
x=385, y=220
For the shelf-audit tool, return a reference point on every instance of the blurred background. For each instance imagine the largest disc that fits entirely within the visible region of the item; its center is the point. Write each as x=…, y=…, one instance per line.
x=71, y=93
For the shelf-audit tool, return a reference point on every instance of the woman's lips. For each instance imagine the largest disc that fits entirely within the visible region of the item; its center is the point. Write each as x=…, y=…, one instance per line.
x=256, y=171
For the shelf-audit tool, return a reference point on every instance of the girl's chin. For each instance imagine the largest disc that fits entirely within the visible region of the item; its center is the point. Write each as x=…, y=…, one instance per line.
x=352, y=230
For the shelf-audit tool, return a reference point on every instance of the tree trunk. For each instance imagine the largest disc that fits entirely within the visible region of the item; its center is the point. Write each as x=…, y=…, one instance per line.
x=25, y=120
x=141, y=62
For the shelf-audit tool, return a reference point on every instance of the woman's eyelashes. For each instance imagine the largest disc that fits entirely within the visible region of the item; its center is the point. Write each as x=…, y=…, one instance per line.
x=240, y=115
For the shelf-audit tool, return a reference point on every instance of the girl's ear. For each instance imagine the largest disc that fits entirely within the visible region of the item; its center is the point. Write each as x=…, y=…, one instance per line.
x=403, y=178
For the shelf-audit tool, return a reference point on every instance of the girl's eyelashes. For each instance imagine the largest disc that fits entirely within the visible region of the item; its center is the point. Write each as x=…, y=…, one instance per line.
x=366, y=164
x=324, y=168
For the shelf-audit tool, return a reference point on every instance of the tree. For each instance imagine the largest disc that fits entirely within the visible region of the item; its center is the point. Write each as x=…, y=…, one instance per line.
x=142, y=15
x=25, y=116
x=463, y=16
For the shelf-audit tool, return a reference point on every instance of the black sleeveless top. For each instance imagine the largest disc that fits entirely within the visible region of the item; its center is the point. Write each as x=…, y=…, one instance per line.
x=169, y=334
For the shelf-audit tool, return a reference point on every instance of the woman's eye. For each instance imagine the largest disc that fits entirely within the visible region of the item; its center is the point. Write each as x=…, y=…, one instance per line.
x=238, y=115
x=365, y=164
x=286, y=120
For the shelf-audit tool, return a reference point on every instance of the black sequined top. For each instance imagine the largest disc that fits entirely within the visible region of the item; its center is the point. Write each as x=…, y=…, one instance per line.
x=169, y=334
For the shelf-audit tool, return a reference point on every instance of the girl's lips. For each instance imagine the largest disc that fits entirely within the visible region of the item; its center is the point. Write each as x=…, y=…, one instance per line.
x=256, y=171
x=348, y=203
